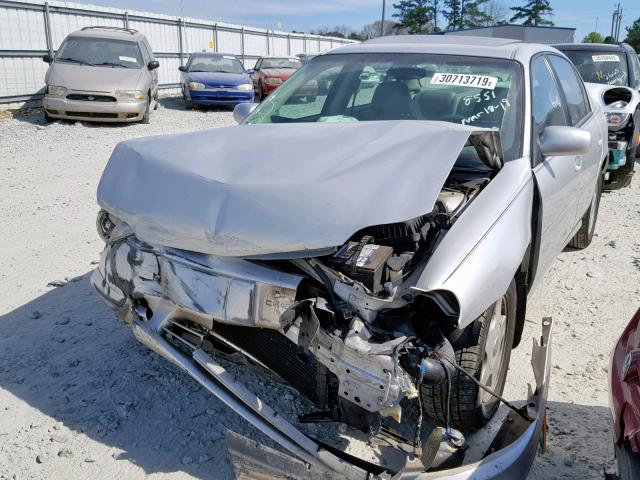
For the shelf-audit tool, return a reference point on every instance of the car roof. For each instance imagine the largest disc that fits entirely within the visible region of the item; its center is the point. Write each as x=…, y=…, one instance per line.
x=108, y=33
x=447, y=45
x=590, y=46
x=213, y=54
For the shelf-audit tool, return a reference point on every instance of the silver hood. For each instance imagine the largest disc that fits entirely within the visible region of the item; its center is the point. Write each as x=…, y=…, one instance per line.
x=266, y=189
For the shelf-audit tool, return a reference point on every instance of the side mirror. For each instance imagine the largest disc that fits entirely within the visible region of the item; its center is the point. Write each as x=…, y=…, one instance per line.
x=47, y=58
x=182, y=68
x=242, y=111
x=153, y=64
x=251, y=71
x=561, y=141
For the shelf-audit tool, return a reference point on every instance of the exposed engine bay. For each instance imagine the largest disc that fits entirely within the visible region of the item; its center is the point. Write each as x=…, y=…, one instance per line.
x=344, y=328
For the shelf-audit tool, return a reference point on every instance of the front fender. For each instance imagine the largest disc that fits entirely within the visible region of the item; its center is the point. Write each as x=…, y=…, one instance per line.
x=481, y=253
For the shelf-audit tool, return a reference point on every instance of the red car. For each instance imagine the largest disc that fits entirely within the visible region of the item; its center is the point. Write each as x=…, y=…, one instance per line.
x=271, y=72
x=625, y=400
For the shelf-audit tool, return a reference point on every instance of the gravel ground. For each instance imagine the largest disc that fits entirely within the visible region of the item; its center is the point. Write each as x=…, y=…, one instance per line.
x=79, y=398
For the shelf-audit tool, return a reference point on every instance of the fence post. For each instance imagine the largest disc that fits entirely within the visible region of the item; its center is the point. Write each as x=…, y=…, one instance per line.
x=304, y=44
x=288, y=45
x=215, y=37
x=180, y=40
x=242, y=44
x=47, y=29
x=268, y=48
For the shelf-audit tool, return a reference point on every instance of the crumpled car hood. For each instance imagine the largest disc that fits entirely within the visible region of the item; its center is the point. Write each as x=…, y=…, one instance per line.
x=265, y=189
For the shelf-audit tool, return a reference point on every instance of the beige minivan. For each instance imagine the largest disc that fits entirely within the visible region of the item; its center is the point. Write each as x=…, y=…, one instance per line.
x=103, y=74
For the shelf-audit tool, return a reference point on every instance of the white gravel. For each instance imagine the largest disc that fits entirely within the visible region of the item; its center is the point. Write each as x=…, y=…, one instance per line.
x=79, y=398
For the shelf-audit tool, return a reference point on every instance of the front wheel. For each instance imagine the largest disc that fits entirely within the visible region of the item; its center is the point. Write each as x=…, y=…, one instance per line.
x=485, y=356
x=584, y=236
x=146, y=118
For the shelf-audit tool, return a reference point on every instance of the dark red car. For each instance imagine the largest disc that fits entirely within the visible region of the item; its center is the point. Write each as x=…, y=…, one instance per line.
x=271, y=72
x=625, y=400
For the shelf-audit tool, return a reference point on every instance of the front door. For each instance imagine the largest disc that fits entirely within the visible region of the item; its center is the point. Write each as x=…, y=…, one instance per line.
x=558, y=178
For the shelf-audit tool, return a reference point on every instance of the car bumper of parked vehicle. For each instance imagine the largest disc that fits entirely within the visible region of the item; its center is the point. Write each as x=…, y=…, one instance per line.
x=213, y=96
x=118, y=111
x=153, y=290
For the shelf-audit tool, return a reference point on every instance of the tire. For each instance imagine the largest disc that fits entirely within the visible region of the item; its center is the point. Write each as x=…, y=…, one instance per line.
x=583, y=237
x=146, y=118
x=261, y=94
x=471, y=408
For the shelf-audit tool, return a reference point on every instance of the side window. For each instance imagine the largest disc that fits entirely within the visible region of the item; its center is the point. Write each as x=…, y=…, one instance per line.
x=635, y=66
x=145, y=53
x=573, y=88
x=546, y=102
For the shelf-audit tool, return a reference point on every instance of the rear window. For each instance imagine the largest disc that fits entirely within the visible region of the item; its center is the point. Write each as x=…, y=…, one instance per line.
x=597, y=66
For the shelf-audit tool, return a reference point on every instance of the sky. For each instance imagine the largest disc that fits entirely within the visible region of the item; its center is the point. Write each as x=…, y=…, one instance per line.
x=308, y=15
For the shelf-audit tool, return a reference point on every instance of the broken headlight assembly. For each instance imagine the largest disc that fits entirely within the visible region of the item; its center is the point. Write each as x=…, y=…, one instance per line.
x=617, y=120
x=104, y=225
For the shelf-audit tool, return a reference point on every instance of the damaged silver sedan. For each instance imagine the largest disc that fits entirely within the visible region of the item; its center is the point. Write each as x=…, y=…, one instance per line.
x=372, y=247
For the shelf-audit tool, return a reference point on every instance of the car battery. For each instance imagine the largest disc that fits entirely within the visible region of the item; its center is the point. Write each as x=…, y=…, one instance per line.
x=364, y=262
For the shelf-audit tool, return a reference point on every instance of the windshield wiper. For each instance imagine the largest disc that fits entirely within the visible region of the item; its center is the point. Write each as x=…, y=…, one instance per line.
x=75, y=60
x=109, y=64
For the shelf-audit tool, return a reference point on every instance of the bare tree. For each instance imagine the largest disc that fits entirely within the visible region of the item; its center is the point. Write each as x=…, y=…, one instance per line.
x=496, y=13
x=372, y=30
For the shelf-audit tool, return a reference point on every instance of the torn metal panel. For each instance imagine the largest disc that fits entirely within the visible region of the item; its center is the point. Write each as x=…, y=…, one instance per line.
x=326, y=182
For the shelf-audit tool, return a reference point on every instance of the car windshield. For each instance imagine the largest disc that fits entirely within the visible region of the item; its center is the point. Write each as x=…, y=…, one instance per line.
x=597, y=66
x=482, y=92
x=281, y=63
x=221, y=64
x=100, y=52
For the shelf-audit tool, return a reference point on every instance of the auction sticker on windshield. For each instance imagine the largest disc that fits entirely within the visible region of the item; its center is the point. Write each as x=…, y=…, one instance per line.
x=605, y=58
x=464, y=80
x=127, y=59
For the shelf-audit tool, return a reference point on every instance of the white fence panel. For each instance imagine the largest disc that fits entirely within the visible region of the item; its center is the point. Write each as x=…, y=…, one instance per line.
x=230, y=42
x=162, y=37
x=22, y=30
x=279, y=46
x=21, y=74
x=255, y=44
x=197, y=39
x=62, y=24
x=168, y=71
x=297, y=45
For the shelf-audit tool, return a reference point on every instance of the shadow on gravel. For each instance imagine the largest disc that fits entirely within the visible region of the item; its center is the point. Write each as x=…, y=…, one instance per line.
x=177, y=103
x=579, y=445
x=65, y=354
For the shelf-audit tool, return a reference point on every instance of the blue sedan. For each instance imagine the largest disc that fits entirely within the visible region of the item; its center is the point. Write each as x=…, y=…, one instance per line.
x=215, y=79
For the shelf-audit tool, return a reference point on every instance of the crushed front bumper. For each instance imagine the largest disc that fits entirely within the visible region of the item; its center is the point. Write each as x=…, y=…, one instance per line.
x=150, y=290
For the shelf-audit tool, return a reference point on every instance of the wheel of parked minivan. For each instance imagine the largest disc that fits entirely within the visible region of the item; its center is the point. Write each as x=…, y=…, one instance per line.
x=484, y=352
x=583, y=237
x=147, y=113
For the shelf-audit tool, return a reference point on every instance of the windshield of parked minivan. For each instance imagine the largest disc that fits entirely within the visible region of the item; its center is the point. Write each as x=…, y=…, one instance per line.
x=597, y=66
x=222, y=64
x=100, y=52
x=280, y=63
x=482, y=92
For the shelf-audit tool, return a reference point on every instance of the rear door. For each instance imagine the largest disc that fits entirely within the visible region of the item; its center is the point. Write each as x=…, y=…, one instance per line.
x=558, y=178
x=580, y=115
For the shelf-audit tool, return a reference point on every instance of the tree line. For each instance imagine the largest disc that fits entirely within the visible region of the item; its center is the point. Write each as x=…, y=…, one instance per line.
x=429, y=16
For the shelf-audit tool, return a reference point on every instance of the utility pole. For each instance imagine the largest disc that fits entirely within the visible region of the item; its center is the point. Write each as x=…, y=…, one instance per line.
x=382, y=22
x=615, y=21
x=618, y=27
